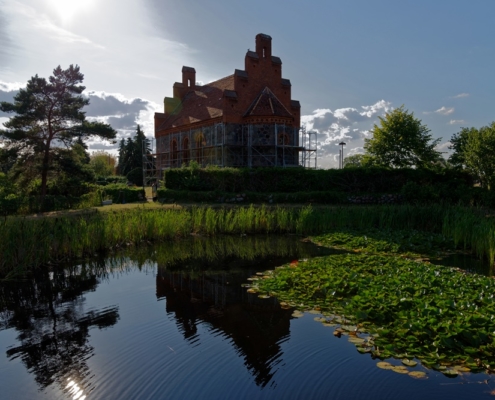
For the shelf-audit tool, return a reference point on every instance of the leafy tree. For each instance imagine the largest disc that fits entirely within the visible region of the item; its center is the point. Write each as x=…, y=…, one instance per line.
x=103, y=163
x=48, y=117
x=357, y=161
x=401, y=141
x=474, y=150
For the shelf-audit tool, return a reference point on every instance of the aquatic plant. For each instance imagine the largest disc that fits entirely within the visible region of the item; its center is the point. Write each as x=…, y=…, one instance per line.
x=31, y=242
x=407, y=309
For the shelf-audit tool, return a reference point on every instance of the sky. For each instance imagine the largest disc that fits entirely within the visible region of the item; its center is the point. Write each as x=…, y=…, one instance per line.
x=349, y=61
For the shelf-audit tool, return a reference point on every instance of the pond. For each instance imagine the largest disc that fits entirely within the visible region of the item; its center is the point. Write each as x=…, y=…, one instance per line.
x=172, y=321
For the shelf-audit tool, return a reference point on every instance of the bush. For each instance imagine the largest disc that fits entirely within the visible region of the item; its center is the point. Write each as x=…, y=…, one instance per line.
x=136, y=176
x=120, y=193
x=291, y=180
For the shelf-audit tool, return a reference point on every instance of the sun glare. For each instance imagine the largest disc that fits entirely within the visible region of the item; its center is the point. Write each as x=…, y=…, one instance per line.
x=68, y=9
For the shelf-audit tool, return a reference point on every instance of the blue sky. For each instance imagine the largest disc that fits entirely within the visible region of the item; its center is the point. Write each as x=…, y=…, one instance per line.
x=348, y=61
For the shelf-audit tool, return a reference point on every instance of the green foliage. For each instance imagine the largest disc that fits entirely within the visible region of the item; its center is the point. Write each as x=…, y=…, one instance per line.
x=474, y=150
x=357, y=161
x=33, y=242
x=131, y=153
x=103, y=163
x=136, y=176
x=120, y=193
x=409, y=309
x=324, y=186
x=401, y=141
x=48, y=112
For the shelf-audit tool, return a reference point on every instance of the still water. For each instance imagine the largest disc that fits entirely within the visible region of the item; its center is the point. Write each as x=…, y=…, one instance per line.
x=173, y=322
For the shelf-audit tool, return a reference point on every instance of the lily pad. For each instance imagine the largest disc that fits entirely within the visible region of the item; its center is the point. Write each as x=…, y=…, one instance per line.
x=400, y=369
x=314, y=312
x=450, y=373
x=462, y=368
x=418, y=375
x=364, y=350
x=320, y=319
x=409, y=363
x=384, y=365
x=356, y=340
x=252, y=290
x=264, y=296
x=297, y=314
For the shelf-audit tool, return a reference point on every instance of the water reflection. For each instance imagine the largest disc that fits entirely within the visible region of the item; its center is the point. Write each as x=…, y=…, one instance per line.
x=53, y=326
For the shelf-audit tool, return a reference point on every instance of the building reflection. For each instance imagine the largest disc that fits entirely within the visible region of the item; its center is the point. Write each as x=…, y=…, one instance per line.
x=48, y=312
x=257, y=327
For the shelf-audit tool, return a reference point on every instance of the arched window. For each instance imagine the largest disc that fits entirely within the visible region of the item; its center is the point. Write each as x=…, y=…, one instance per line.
x=186, y=155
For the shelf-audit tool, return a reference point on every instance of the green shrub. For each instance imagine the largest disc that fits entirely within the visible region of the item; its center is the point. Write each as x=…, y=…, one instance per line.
x=120, y=193
x=136, y=176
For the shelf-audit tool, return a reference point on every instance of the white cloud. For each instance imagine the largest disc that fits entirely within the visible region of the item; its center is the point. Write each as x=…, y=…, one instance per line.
x=11, y=86
x=442, y=146
x=460, y=95
x=445, y=110
x=349, y=124
x=456, y=122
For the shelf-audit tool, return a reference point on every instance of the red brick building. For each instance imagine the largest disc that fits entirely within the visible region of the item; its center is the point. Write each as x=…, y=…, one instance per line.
x=247, y=119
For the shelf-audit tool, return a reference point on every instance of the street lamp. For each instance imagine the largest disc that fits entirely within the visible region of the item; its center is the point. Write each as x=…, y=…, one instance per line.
x=341, y=153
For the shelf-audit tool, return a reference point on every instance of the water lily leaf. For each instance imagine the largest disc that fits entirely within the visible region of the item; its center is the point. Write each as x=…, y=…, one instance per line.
x=400, y=369
x=439, y=367
x=314, y=312
x=450, y=372
x=253, y=279
x=462, y=368
x=418, y=375
x=356, y=340
x=349, y=328
x=297, y=314
x=409, y=363
x=320, y=319
x=252, y=290
x=384, y=365
x=259, y=273
x=264, y=296
x=246, y=285
x=328, y=324
x=364, y=350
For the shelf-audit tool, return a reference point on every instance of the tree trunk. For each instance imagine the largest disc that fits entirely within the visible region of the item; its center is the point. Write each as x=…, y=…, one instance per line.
x=44, y=174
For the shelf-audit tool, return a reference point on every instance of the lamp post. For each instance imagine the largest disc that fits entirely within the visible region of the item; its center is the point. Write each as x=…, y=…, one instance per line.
x=341, y=152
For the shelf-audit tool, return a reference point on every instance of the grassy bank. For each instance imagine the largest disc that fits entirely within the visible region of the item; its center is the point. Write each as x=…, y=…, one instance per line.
x=31, y=242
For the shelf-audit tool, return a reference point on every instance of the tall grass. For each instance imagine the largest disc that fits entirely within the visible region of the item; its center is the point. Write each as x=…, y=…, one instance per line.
x=27, y=243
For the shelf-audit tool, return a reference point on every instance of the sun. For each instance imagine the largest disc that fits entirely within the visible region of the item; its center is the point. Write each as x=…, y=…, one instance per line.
x=68, y=9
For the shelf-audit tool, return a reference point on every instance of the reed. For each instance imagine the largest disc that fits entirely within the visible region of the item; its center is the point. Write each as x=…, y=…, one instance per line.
x=27, y=243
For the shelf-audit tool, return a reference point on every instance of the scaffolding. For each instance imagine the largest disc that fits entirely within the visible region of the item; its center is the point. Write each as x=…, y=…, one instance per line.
x=231, y=145
x=309, y=142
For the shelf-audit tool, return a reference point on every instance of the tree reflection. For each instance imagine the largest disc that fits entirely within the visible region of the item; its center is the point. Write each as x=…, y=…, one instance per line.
x=48, y=312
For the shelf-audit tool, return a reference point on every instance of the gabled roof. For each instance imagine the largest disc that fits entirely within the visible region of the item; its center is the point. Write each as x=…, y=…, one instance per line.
x=267, y=104
x=203, y=103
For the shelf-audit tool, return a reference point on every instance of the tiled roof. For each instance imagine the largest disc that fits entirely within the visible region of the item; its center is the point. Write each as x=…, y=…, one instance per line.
x=267, y=104
x=295, y=104
x=276, y=60
x=203, y=103
x=286, y=82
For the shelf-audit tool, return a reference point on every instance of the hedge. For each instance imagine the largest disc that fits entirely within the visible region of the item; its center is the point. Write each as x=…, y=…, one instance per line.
x=291, y=180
